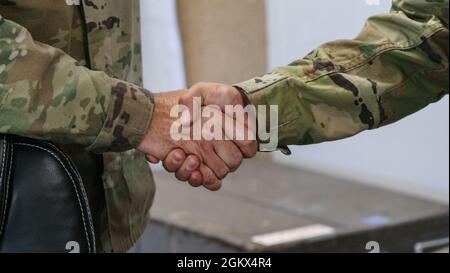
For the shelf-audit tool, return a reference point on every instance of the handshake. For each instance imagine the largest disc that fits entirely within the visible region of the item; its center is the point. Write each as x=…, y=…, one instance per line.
x=201, y=134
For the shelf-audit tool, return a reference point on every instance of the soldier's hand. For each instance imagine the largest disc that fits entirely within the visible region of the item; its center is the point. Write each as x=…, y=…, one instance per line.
x=211, y=94
x=186, y=168
x=207, y=162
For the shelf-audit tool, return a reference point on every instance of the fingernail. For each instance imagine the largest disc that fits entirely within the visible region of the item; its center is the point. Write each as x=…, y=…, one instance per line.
x=177, y=158
x=176, y=162
x=191, y=166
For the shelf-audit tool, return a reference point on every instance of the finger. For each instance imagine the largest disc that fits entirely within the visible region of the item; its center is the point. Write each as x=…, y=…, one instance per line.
x=213, y=161
x=174, y=160
x=243, y=137
x=191, y=164
x=152, y=159
x=207, y=177
x=214, y=187
x=229, y=153
x=210, y=181
x=196, y=179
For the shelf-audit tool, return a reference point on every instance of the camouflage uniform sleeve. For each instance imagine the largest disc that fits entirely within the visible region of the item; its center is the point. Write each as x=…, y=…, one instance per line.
x=396, y=66
x=46, y=94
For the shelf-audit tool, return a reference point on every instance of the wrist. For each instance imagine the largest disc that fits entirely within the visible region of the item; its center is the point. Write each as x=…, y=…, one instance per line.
x=245, y=97
x=157, y=141
x=129, y=109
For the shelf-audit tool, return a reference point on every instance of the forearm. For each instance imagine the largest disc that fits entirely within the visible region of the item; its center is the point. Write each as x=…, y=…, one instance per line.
x=45, y=94
x=396, y=66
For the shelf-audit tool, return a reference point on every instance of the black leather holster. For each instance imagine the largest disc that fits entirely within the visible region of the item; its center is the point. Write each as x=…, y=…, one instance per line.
x=43, y=203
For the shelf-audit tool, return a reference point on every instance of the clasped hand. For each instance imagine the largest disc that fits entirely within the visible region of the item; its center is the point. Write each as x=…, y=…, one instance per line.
x=207, y=160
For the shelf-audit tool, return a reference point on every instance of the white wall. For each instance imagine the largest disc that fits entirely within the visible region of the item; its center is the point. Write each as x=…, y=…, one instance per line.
x=162, y=51
x=411, y=156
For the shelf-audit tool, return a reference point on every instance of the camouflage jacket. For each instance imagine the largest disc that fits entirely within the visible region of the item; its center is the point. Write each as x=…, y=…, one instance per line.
x=396, y=66
x=47, y=92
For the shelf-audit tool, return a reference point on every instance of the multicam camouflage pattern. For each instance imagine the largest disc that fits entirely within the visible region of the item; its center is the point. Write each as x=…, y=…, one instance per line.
x=46, y=92
x=396, y=66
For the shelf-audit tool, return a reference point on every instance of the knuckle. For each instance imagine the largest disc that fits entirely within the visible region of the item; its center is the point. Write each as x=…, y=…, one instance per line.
x=181, y=177
x=247, y=143
x=236, y=161
x=222, y=88
x=199, y=85
x=222, y=173
x=195, y=148
x=167, y=167
x=183, y=98
x=186, y=98
x=209, y=177
x=249, y=148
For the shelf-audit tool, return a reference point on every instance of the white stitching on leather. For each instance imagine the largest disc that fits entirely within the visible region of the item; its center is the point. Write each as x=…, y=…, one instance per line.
x=3, y=158
x=83, y=193
x=2, y=224
x=73, y=183
x=3, y=161
x=76, y=191
x=1, y=179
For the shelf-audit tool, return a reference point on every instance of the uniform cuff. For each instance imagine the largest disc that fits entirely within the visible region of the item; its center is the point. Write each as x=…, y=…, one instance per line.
x=128, y=118
x=254, y=91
